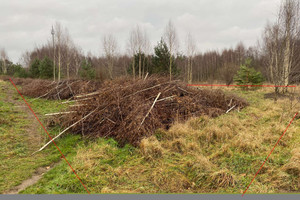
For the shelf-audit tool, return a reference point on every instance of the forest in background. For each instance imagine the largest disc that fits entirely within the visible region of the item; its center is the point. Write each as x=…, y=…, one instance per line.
x=276, y=55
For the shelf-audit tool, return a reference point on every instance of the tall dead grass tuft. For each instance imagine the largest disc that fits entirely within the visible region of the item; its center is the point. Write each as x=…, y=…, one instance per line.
x=171, y=181
x=214, y=133
x=151, y=148
x=247, y=142
x=222, y=178
x=293, y=166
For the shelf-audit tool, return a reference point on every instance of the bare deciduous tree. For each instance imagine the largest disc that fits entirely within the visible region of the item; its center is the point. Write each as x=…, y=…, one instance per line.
x=110, y=49
x=190, y=52
x=279, y=43
x=139, y=44
x=172, y=42
x=132, y=48
x=4, y=58
x=59, y=44
x=289, y=20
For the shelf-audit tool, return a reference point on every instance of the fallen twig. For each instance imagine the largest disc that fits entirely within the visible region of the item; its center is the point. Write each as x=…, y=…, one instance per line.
x=76, y=100
x=230, y=109
x=184, y=90
x=150, y=109
x=166, y=98
x=64, y=131
x=146, y=76
x=60, y=113
x=86, y=95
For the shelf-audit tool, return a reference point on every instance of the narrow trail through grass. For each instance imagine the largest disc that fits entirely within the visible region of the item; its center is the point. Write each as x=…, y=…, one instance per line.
x=20, y=136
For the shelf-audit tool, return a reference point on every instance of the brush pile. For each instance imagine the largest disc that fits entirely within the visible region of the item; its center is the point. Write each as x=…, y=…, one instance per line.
x=129, y=110
x=65, y=89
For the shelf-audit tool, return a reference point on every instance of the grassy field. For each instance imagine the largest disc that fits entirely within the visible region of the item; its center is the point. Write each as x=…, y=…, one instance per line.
x=203, y=155
x=20, y=136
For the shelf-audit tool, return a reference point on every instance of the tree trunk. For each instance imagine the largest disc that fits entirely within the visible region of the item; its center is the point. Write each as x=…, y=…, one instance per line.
x=286, y=64
x=170, y=66
x=133, y=67
x=140, y=65
x=59, y=63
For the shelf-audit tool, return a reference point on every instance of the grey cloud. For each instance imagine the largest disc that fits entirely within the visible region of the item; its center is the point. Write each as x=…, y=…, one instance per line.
x=214, y=23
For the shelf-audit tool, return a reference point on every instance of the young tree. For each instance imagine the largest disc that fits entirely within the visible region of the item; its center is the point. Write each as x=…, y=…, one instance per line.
x=139, y=44
x=4, y=59
x=59, y=43
x=70, y=50
x=46, y=68
x=190, y=52
x=110, y=50
x=172, y=42
x=161, y=59
x=132, y=47
x=248, y=76
x=34, y=69
x=289, y=18
x=87, y=71
x=279, y=43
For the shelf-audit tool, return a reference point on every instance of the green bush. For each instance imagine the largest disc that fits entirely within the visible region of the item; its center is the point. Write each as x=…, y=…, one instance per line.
x=248, y=76
x=46, y=68
x=87, y=71
x=20, y=72
x=161, y=60
x=34, y=69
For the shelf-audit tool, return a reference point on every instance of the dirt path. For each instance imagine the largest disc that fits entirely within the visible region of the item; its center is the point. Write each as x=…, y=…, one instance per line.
x=38, y=174
x=32, y=131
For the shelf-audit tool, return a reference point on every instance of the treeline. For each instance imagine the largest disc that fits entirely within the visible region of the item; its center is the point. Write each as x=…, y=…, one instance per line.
x=277, y=56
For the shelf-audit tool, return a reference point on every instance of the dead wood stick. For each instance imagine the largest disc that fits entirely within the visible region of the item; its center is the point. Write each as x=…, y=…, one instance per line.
x=230, y=109
x=143, y=90
x=85, y=95
x=170, y=97
x=60, y=113
x=78, y=105
x=146, y=76
x=111, y=120
x=150, y=109
x=230, y=102
x=64, y=131
x=184, y=90
x=76, y=100
x=44, y=94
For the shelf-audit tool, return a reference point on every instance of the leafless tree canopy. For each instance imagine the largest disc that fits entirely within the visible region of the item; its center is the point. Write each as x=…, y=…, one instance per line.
x=190, y=52
x=277, y=56
x=4, y=59
x=280, y=44
x=110, y=49
x=172, y=42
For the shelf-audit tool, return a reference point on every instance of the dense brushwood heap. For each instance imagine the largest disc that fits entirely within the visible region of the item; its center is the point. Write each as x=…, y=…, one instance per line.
x=119, y=108
x=56, y=90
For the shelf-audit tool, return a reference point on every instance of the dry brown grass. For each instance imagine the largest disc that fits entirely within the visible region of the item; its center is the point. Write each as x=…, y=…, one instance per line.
x=222, y=179
x=151, y=148
x=293, y=166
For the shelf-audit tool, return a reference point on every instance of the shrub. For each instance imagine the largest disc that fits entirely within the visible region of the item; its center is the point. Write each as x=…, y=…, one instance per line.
x=87, y=71
x=248, y=76
x=34, y=69
x=46, y=68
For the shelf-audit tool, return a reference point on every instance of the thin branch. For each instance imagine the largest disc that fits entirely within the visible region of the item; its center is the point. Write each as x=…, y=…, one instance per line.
x=65, y=131
x=150, y=109
x=230, y=109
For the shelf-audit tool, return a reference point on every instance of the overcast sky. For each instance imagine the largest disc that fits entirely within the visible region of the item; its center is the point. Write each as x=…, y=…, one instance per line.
x=215, y=24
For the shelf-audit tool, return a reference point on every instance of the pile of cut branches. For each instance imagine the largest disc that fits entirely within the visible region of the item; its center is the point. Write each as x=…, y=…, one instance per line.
x=65, y=89
x=129, y=110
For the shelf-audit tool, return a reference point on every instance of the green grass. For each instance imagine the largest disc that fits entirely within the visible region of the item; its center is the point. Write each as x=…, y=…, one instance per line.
x=16, y=161
x=203, y=155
